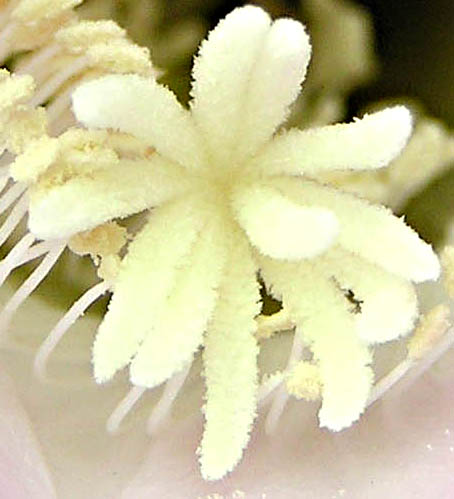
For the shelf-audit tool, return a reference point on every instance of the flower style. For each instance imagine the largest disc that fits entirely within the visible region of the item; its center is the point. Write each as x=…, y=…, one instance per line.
x=231, y=198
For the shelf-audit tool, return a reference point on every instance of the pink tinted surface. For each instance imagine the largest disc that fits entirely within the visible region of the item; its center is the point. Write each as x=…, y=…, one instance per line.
x=23, y=473
x=402, y=448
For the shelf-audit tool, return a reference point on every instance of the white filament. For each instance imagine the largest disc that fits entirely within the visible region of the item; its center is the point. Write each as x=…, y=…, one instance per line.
x=13, y=219
x=60, y=104
x=5, y=43
x=268, y=387
x=13, y=193
x=77, y=310
x=164, y=406
x=396, y=374
x=35, y=252
x=4, y=170
x=37, y=64
x=5, y=16
x=389, y=380
x=9, y=262
x=50, y=87
x=123, y=408
x=30, y=284
x=281, y=397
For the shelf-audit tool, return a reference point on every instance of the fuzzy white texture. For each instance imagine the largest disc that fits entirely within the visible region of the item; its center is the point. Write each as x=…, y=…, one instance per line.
x=28, y=11
x=235, y=202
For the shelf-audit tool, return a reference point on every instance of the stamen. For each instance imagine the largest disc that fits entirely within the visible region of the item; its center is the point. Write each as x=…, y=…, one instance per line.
x=123, y=409
x=59, y=104
x=77, y=310
x=282, y=395
x=51, y=86
x=35, y=252
x=5, y=44
x=30, y=284
x=389, y=380
x=268, y=386
x=164, y=406
x=13, y=193
x=444, y=341
x=37, y=64
x=13, y=219
x=9, y=262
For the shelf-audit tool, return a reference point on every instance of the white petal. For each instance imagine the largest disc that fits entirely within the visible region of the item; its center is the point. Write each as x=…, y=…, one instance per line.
x=84, y=201
x=388, y=303
x=370, y=231
x=322, y=317
x=178, y=331
x=147, y=276
x=369, y=143
x=230, y=367
x=143, y=108
x=281, y=228
x=222, y=73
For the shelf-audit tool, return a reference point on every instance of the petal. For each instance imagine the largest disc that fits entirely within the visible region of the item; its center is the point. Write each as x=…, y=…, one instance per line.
x=367, y=143
x=388, y=303
x=370, y=231
x=178, y=331
x=325, y=323
x=112, y=102
x=281, y=228
x=56, y=210
x=23, y=471
x=222, y=74
x=230, y=367
x=146, y=278
x=401, y=448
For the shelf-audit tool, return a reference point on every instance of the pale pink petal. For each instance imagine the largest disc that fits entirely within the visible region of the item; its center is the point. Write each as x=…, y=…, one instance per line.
x=23, y=471
x=402, y=448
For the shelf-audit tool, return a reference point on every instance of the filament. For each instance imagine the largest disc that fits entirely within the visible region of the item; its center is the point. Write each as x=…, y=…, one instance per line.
x=282, y=395
x=123, y=408
x=30, y=284
x=13, y=193
x=35, y=252
x=36, y=65
x=268, y=386
x=9, y=262
x=396, y=374
x=60, y=104
x=164, y=406
x=55, y=82
x=77, y=310
x=13, y=219
x=5, y=41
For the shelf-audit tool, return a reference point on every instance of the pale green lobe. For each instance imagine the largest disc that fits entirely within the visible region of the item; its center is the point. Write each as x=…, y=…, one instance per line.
x=146, y=278
x=291, y=231
x=84, y=201
x=370, y=231
x=323, y=319
x=222, y=74
x=365, y=144
x=180, y=324
x=142, y=107
x=388, y=305
x=230, y=366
